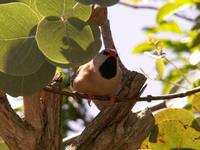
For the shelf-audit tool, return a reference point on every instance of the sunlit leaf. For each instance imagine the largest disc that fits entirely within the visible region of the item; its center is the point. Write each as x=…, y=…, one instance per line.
x=160, y=67
x=65, y=43
x=182, y=115
x=142, y=48
x=170, y=26
x=64, y=9
x=19, y=51
x=135, y=1
x=176, y=46
x=170, y=8
x=173, y=134
x=145, y=144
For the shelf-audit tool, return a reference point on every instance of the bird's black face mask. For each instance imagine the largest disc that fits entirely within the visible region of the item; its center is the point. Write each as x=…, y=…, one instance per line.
x=109, y=68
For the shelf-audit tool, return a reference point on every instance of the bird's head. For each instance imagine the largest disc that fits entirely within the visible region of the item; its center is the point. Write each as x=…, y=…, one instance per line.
x=105, y=63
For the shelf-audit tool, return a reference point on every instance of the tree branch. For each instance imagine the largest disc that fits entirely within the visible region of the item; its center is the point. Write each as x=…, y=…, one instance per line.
x=13, y=129
x=170, y=96
x=124, y=131
x=148, y=98
x=153, y=8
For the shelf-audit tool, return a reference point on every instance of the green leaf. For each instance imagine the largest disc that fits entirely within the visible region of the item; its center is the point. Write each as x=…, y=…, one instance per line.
x=99, y=2
x=145, y=144
x=50, y=7
x=20, y=56
x=173, y=76
x=3, y=147
x=160, y=67
x=196, y=101
x=19, y=51
x=182, y=115
x=13, y=24
x=176, y=46
x=64, y=8
x=78, y=10
x=170, y=26
x=196, y=41
x=27, y=85
x=196, y=124
x=65, y=43
x=142, y=48
x=170, y=8
x=173, y=134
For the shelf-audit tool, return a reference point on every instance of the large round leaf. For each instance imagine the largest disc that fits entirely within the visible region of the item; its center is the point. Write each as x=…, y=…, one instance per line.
x=20, y=57
x=78, y=10
x=181, y=115
x=27, y=85
x=172, y=134
x=64, y=9
x=50, y=7
x=19, y=54
x=70, y=43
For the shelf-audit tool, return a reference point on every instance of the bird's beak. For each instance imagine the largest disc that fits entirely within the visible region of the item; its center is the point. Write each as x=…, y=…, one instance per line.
x=112, y=53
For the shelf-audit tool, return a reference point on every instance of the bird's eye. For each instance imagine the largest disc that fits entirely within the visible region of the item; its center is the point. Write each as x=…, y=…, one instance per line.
x=105, y=53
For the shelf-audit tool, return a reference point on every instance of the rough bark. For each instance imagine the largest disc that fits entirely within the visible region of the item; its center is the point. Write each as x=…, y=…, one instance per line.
x=41, y=127
x=43, y=112
x=125, y=134
x=13, y=130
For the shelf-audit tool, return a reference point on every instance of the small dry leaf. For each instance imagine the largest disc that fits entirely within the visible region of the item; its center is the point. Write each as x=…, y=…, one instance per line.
x=159, y=45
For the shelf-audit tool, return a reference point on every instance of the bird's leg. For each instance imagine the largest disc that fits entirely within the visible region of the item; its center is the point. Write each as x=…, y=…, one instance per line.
x=113, y=98
x=90, y=98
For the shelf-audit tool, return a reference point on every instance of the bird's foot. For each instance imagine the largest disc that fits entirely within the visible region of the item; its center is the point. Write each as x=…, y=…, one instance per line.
x=90, y=98
x=113, y=98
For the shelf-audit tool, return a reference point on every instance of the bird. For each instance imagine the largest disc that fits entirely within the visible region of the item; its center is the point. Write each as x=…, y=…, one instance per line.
x=101, y=76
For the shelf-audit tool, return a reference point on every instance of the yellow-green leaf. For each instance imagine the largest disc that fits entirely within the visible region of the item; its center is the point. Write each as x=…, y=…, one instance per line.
x=173, y=134
x=170, y=8
x=160, y=67
x=196, y=101
x=142, y=48
x=181, y=115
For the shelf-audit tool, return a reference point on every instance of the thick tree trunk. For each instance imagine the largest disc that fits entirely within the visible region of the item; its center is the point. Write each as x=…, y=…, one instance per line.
x=41, y=127
x=43, y=112
x=115, y=132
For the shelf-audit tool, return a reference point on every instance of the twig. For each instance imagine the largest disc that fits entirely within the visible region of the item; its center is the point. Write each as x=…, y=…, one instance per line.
x=170, y=96
x=75, y=94
x=158, y=107
x=148, y=98
x=153, y=8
